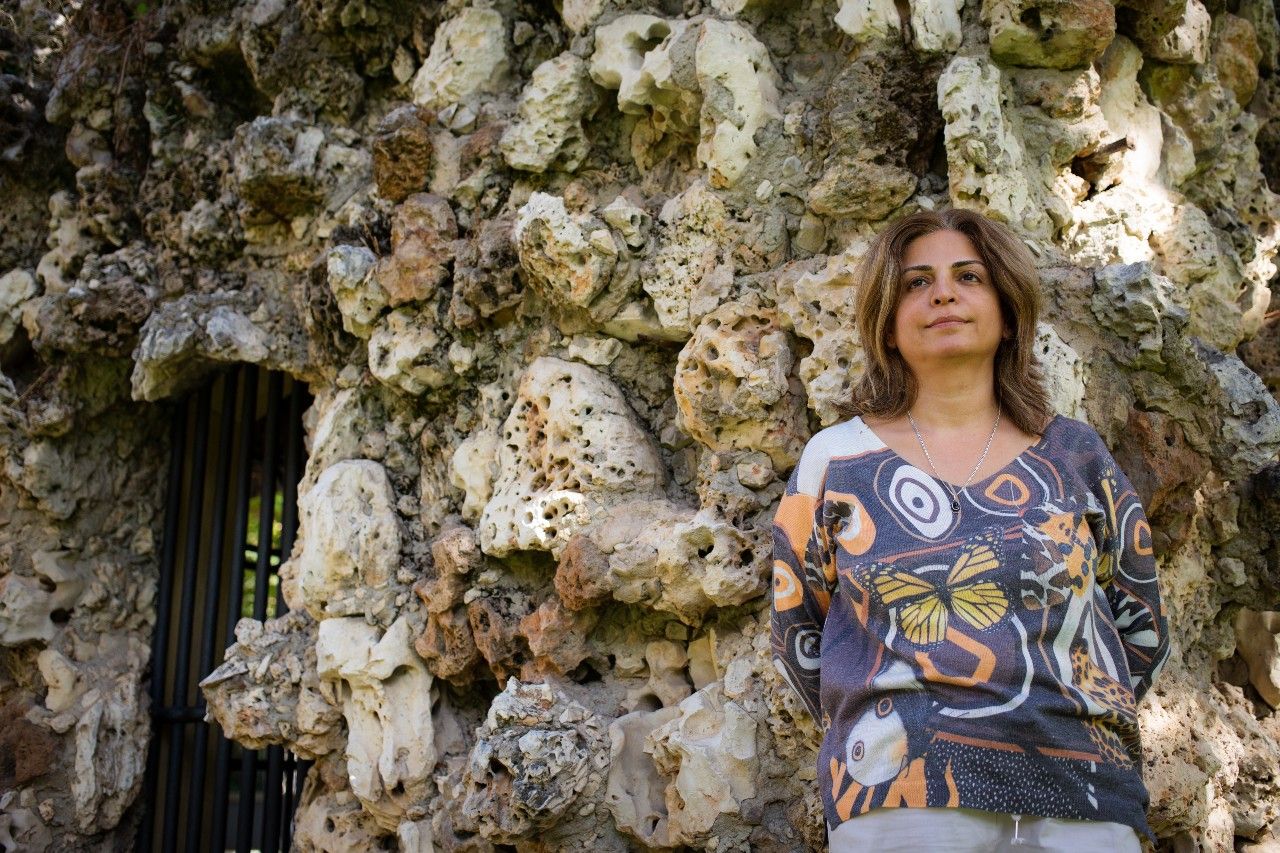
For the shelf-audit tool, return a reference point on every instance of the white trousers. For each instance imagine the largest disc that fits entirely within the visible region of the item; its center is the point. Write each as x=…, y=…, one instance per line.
x=920, y=830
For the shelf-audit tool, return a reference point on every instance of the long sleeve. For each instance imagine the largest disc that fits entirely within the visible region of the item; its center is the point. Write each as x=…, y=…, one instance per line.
x=1127, y=573
x=803, y=581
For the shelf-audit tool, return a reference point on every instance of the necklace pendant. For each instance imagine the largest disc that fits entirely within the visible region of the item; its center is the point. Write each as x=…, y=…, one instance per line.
x=955, y=506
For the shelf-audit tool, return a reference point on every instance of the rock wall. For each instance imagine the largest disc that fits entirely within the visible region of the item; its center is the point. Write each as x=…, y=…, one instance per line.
x=571, y=284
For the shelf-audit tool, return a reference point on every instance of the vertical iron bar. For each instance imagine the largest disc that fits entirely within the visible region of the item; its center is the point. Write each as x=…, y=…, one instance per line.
x=160, y=641
x=246, y=804
x=271, y=800
x=293, y=459
x=248, y=400
x=266, y=514
x=266, y=545
x=286, y=828
x=267, y=498
x=182, y=664
x=292, y=476
x=212, y=590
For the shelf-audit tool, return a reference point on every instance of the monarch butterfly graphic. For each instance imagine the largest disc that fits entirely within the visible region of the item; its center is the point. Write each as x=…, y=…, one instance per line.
x=925, y=607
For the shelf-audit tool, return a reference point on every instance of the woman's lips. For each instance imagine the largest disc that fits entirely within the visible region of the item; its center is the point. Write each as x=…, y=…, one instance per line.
x=946, y=323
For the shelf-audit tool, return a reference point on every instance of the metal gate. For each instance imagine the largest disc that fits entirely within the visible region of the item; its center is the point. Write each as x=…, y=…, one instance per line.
x=235, y=461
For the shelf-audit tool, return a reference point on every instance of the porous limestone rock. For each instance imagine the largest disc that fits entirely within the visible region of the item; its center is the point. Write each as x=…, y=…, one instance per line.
x=447, y=643
x=284, y=168
x=739, y=97
x=385, y=692
x=869, y=20
x=736, y=386
x=815, y=302
x=70, y=240
x=986, y=159
x=711, y=751
x=936, y=25
x=548, y=127
x=108, y=769
x=692, y=229
x=103, y=308
x=1065, y=373
x=334, y=820
x=1049, y=33
x=402, y=152
x=572, y=261
x=16, y=287
x=350, y=541
x=635, y=790
x=662, y=556
x=407, y=352
x=536, y=754
x=1181, y=38
x=360, y=298
x=184, y=340
x=571, y=447
x=28, y=602
x=422, y=232
x=1258, y=641
x=650, y=62
x=1137, y=305
x=468, y=58
x=486, y=277
x=266, y=691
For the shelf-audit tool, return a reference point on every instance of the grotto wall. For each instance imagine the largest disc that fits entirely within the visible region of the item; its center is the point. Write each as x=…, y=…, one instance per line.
x=570, y=282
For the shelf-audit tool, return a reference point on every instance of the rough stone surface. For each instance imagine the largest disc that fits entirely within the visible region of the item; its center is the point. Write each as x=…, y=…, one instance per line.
x=548, y=127
x=468, y=57
x=569, y=447
x=571, y=284
x=1049, y=33
x=267, y=691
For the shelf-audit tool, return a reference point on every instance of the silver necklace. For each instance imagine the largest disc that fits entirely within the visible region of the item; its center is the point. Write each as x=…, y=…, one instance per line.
x=955, y=493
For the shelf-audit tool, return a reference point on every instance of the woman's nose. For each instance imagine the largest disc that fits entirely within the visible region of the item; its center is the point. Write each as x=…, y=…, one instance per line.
x=943, y=291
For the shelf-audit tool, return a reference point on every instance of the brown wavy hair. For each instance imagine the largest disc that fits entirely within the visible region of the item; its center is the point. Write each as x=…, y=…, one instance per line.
x=887, y=387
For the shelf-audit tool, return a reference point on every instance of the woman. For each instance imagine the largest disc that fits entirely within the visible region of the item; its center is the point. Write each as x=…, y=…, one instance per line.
x=964, y=587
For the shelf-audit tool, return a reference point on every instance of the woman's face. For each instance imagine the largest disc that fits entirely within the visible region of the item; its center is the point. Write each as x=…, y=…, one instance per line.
x=948, y=308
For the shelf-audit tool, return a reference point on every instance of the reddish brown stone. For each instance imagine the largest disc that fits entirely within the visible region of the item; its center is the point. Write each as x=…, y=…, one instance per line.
x=495, y=624
x=582, y=577
x=484, y=273
x=1165, y=471
x=422, y=234
x=557, y=637
x=448, y=647
x=402, y=152
x=480, y=146
x=456, y=554
x=456, y=551
x=27, y=751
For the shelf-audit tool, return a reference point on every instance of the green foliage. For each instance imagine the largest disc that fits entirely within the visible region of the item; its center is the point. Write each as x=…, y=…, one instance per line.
x=249, y=558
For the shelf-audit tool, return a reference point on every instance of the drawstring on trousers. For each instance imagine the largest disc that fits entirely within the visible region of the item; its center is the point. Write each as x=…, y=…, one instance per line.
x=1017, y=840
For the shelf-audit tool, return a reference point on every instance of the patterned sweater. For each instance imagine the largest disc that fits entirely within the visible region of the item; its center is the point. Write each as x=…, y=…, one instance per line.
x=988, y=659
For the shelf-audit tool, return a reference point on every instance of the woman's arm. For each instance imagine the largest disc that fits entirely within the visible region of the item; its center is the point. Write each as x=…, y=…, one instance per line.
x=803, y=580
x=1127, y=573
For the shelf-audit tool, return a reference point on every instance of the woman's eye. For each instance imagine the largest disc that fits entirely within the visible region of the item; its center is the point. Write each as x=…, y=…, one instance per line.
x=970, y=276
x=917, y=282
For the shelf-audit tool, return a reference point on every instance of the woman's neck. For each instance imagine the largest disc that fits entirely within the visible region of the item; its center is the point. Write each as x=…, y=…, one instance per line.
x=955, y=399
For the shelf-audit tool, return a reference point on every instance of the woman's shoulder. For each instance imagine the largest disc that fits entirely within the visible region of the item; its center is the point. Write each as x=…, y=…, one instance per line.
x=842, y=439
x=1077, y=437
